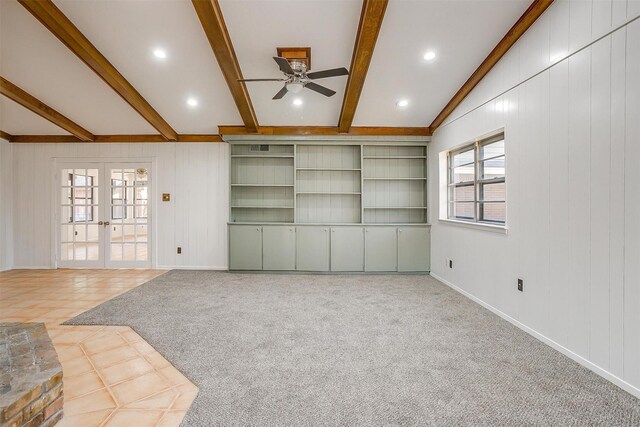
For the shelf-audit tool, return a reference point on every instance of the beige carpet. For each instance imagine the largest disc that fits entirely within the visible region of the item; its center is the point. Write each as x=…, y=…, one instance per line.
x=325, y=350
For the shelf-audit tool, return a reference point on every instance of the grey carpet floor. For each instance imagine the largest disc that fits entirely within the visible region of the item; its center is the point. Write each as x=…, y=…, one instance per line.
x=324, y=350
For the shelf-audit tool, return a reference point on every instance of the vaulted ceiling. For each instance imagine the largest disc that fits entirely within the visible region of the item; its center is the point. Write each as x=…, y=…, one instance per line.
x=460, y=32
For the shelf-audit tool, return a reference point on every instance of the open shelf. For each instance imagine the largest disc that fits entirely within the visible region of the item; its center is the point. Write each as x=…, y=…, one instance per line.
x=328, y=184
x=251, y=156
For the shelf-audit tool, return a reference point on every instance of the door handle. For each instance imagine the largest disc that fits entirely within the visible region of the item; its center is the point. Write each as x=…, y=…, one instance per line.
x=100, y=223
x=106, y=223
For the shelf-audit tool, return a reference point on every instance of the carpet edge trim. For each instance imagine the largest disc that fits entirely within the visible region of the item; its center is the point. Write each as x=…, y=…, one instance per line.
x=575, y=357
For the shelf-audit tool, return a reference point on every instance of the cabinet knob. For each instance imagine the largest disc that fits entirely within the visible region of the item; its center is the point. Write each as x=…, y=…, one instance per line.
x=257, y=228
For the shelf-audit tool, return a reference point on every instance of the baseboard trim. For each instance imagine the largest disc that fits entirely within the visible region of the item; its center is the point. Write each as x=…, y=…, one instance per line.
x=32, y=267
x=573, y=356
x=192, y=267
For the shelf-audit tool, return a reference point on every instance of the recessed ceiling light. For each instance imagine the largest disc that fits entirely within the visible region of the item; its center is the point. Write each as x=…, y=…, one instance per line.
x=160, y=53
x=192, y=102
x=402, y=103
x=297, y=101
x=428, y=56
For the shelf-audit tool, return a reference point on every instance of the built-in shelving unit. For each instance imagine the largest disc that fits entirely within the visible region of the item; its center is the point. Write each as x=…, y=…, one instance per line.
x=328, y=184
x=344, y=204
x=395, y=184
x=262, y=183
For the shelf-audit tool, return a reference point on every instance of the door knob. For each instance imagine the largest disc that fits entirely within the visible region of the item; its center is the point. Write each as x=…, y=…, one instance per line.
x=100, y=223
x=106, y=223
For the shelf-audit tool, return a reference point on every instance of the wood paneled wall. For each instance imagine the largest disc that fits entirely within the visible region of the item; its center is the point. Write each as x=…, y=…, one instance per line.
x=571, y=131
x=6, y=191
x=196, y=175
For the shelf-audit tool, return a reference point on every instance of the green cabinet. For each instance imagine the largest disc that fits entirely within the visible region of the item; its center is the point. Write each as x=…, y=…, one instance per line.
x=347, y=249
x=279, y=247
x=245, y=247
x=414, y=249
x=312, y=248
x=381, y=249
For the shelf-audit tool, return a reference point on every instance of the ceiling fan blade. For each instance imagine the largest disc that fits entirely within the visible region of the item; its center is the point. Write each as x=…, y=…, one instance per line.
x=284, y=65
x=334, y=72
x=261, y=80
x=320, y=89
x=282, y=93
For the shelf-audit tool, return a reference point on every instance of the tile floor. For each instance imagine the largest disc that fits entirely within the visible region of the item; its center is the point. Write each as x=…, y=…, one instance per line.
x=112, y=377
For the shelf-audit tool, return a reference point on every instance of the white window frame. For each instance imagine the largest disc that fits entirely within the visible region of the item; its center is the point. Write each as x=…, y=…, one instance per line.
x=477, y=183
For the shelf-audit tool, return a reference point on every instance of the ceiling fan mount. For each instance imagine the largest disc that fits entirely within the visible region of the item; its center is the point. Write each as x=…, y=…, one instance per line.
x=297, y=78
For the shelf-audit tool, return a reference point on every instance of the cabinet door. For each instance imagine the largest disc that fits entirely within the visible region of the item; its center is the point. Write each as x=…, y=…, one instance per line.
x=245, y=247
x=347, y=249
x=278, y=247
x=414, y=248
x=381, y=249
x=312, y=248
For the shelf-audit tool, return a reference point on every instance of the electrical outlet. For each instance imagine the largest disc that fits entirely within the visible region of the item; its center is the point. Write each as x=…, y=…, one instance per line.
x=521, y=285
x=179, y=250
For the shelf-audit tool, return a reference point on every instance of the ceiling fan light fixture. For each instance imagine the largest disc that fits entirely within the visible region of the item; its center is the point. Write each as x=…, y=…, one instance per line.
x=297, y=102
x=294, y=87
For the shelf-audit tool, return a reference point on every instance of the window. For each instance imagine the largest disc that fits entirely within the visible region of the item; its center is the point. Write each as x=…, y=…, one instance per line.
x=476, y=182
x=81, y=196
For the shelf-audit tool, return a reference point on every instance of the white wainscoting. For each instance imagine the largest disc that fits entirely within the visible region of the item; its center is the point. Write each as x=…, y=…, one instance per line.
x=195, y=174
x=6, y=191
x=572, y=131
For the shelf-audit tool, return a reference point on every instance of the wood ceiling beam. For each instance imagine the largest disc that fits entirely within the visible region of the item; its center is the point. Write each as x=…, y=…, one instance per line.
x=30, y=102
x=112, y=138
x=212, y=21
x=527, y=19
x=55, y=21
x=326, y=130
x=368, y=30
x=5, y=135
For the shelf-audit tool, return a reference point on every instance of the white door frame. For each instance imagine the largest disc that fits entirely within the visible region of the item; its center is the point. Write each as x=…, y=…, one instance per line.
x=59, y=162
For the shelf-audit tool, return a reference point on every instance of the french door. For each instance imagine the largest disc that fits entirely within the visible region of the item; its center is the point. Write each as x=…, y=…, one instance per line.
x=104, y=215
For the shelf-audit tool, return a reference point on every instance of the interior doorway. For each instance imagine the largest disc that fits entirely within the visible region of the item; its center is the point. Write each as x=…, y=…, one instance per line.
x=104, y=216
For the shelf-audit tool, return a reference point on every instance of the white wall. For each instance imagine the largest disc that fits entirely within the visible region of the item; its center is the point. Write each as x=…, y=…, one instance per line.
x=572, y=129
x=6, y=231
x=196, y=175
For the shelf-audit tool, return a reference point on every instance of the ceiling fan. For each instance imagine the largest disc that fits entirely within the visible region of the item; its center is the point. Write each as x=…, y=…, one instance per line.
x=296, y=78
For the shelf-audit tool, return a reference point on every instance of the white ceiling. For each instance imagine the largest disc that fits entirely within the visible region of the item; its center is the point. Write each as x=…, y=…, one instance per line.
x=36, y=61
x=257, y=27
x=126, y=32
x=462, y=32
x=17, y=120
